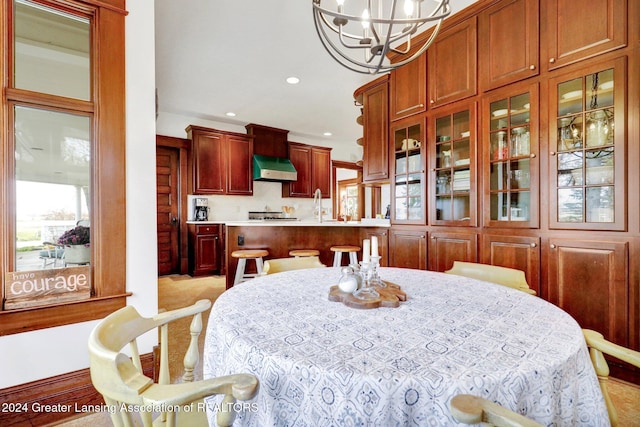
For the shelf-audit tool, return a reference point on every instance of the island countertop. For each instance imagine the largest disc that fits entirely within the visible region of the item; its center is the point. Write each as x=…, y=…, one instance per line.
x=296, y=223
x=280, y=237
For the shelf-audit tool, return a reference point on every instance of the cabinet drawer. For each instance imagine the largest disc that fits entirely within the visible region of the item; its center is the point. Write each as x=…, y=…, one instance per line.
x=207, y=229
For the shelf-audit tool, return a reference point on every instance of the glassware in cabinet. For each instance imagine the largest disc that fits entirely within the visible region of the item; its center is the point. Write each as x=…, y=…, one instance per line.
x=588, y=190
x=408, y=171
x=453, y=174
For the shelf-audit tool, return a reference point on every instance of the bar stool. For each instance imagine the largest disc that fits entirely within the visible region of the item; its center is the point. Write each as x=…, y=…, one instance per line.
x=339, y=250
x=303, y=252
x=243, y=255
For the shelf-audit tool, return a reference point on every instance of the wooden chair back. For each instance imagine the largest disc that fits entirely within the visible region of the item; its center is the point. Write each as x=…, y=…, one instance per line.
x=598, y=347
x=278, y=265
x=492, y=273
x=469, y=409
x=120, y=379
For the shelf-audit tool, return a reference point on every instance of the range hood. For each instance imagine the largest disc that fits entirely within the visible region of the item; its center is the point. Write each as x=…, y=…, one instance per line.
x=267, y=168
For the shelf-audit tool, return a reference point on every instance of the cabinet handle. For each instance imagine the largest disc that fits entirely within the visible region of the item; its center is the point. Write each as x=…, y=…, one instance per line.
x=552, y=60
x=533, y=245
x=553, y=246
x=421, y=105
x=432, y=102
x=532, y=67
x=532, y=155
x=432, y=237
x=553, y=153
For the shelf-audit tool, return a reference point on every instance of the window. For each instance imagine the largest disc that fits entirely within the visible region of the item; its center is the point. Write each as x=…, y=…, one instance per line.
x=63, y=157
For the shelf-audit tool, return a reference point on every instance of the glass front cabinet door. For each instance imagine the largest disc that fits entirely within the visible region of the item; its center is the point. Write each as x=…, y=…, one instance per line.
x=511, y=174
x=408, y=189
x=453, y=182
x=586, y=147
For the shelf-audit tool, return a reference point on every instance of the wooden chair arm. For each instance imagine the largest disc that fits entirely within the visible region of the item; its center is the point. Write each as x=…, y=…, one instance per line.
x=240, y=386
x=169, y=316
x=470, y=409
x=596, y=340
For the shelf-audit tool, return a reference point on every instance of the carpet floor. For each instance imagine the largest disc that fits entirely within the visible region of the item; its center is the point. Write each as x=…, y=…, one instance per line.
x=180, y=291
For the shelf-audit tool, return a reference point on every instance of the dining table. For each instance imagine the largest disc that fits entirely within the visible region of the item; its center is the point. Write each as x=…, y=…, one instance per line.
x=322, y=362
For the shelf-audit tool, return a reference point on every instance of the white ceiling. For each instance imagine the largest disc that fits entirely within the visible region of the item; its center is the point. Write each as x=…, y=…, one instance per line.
x=215, y=56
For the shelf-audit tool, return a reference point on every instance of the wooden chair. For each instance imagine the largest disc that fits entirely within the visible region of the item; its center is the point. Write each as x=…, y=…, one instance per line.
x=285, y=264
x=120, y=380
x=469, y=409
x=491, y=273
x=598, y=347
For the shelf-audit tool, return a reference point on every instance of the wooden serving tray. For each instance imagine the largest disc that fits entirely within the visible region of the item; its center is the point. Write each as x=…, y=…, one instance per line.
x=389, y=297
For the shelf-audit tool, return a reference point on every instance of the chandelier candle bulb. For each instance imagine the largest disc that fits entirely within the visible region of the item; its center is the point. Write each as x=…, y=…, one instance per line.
x=366, y=251
x=374, y=246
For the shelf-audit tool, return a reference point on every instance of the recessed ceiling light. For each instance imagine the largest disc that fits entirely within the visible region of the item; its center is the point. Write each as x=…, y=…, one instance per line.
x=327, y=134
x=293, y=80
x=231, y=114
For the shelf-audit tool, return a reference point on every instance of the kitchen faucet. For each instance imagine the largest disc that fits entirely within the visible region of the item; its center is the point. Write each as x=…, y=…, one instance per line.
x=317, y=200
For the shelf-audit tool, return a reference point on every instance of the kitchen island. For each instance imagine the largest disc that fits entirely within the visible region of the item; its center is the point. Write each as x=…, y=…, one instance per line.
x=279, y=237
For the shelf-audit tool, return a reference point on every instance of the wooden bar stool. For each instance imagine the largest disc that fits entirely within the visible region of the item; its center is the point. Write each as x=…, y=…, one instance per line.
x=339, y=250
x=243, y=255
x=303, y=252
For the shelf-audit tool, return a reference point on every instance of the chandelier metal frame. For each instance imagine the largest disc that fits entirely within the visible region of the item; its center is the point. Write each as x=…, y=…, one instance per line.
x=367, y=52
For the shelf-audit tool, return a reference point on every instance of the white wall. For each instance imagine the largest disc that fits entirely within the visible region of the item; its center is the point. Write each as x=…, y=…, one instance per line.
x=40, y=354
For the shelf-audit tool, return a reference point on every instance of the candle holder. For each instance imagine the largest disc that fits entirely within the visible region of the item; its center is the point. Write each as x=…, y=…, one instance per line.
x=367, y=292
x=376, y=281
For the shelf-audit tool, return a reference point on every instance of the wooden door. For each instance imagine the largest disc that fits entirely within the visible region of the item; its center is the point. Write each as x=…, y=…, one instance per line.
x=321, y=170
x=167, y=189
x=408, y=89
x=452, y=64
x=508, y=40
x=239, y=165
x=580, y=30
x=519, y=252
x=408, y=248
x=445, y=248
x=376, y=133
x=300, y=156
x=590, y=281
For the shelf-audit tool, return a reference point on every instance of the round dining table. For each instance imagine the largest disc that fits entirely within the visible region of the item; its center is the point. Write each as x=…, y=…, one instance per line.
x=324, y=363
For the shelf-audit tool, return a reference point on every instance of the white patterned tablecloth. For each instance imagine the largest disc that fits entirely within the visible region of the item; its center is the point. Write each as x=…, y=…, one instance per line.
x=321, y=363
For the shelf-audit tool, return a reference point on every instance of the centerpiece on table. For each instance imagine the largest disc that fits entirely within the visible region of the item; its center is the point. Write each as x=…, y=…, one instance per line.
x=76, y=244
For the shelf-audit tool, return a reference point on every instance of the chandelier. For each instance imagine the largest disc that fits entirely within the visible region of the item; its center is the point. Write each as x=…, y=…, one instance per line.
x=359, y=34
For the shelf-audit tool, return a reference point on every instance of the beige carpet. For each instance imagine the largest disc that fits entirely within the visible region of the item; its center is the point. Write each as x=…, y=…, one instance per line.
x=180, y=291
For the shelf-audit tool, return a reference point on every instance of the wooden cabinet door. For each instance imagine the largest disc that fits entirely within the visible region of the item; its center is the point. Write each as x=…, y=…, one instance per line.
x=445, y=248
x=452, y=62
x=509, y=42
x=580, y=30
x=519, y=252
x=408, y=248
x=376, y=133
x=321, y=171
x=240, y=165
x=300, y=156
x=209, y=165
x=204, y=249
x=590, y=281
x=408, y=89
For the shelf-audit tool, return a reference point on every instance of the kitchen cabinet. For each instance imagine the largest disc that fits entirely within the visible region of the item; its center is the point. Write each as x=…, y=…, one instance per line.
x=313, y=165
x=452, y=64
x=589, y=280
x=408, y=187
x=453, y=165
x=408, y=89
x=446, y=247
x=205, y=249
x=221, y=162
x=519, y=252
x=587, y=154
x=383, y=243
x=375, y=152
x=508, y=42
x=576, y=31
x=408, y=247
x=511, y=158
